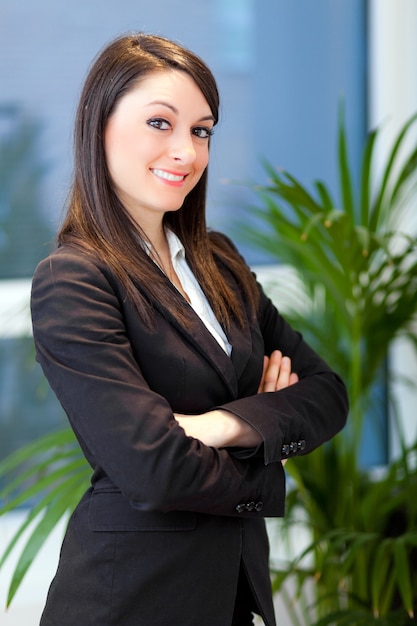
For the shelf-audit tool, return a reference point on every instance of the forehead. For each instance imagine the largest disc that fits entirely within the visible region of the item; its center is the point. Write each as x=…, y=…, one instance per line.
x=173, y=87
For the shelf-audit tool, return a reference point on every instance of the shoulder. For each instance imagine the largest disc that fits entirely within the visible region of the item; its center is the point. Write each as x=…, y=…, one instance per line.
x=69, y=259
x=71, y=268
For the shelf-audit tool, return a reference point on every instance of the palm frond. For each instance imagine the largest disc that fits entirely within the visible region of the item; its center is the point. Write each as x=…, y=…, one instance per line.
x=49, y=475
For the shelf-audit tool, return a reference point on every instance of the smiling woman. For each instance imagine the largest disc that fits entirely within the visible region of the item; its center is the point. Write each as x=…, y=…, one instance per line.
x=185, y=387
x=156, y=151
x=157, y=148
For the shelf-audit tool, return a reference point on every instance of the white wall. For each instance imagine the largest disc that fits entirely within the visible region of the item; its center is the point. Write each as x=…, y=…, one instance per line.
x=392, y=100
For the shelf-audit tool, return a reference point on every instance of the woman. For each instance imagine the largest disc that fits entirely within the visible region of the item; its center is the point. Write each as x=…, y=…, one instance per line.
x=153, y=334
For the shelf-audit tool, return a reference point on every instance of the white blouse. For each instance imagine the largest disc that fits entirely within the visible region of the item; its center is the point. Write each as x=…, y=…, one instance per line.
x=197, y=298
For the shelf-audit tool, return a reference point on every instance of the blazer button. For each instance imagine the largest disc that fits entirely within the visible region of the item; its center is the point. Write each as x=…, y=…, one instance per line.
x=259, y=506
x=250, y=506
x=240, y=508
x=285, y=450
x=301, y=445
x=293, y=447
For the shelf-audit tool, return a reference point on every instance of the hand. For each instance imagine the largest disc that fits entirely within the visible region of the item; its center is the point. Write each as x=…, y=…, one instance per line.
x=219, y=429
x=277, y=373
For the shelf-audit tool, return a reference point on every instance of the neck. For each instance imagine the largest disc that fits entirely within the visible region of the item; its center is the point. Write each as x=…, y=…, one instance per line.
x=156, y=237
x=162, y=256
x=160, y=251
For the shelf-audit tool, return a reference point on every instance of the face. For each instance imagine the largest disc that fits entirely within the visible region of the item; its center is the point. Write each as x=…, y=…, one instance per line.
x=156, y=144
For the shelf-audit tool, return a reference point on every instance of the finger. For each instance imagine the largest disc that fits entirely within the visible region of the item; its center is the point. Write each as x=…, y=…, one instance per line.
x=283, y=379
x=272, y=372
x=293, y=378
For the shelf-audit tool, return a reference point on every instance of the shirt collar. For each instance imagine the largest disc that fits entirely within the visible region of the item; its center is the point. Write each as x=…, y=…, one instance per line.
x=175, y=246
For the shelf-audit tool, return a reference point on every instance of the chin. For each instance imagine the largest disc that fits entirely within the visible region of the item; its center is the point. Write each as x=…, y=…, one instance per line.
x=174, y=209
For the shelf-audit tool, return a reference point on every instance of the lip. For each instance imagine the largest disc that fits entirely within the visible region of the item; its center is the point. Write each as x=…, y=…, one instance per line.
x=169, y=176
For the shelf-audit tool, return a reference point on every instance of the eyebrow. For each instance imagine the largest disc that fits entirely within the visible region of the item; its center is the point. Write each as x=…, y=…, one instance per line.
x=206, y=118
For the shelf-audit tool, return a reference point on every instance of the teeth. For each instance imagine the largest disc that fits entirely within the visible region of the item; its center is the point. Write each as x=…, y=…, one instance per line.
x=168, y=176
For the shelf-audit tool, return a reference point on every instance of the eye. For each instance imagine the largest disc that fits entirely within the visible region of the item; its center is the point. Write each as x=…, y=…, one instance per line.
x=203, y=132
x=159, y=123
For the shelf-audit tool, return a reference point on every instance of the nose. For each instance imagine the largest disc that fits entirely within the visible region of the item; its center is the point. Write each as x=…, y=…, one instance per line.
x=182, y=147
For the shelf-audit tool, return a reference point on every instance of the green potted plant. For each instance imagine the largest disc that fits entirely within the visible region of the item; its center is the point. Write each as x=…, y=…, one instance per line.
x=354, y=264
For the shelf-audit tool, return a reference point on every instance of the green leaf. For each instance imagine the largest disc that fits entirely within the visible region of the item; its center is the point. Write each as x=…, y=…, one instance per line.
x=403, y=574
x=378, y=206
x=51, y=471
x=70, y=489
x=325, y=197
x=344, y=170
x=37, y=539
x=380, y=571
x=44, y=475
x=366, y=176
x=39, y=446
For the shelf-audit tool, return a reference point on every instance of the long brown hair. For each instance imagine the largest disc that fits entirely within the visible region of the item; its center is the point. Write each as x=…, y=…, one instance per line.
x=96, y=218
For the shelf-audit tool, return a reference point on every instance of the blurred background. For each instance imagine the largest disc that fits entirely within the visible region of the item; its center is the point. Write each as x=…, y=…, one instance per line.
x=283, y=67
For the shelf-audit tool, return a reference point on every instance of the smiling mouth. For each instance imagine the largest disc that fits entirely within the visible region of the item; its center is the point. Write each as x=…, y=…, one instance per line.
x=174, y=178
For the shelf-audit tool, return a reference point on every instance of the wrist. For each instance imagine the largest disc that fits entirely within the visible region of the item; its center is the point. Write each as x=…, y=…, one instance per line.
x=230, y=427
x=237, y=432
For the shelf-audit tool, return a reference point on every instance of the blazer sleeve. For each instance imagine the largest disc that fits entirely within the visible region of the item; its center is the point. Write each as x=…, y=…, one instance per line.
x=127, y=431
x=295, y=420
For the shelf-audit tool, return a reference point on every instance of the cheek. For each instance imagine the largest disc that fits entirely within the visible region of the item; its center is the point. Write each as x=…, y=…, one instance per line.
x=124, y=152
x=117, y=141
x=202, y=158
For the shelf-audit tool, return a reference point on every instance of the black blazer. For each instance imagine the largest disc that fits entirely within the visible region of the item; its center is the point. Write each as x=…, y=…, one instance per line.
x=159, y=538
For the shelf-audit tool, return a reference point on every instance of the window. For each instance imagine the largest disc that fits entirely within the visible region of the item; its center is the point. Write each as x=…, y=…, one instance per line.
x=281, y=68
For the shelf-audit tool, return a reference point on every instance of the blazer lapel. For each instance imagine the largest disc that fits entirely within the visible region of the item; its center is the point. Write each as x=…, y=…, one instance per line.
x=229, y=368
